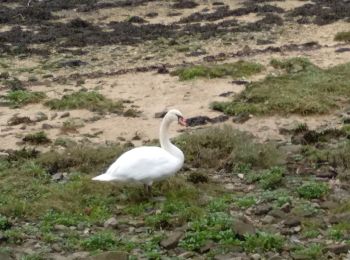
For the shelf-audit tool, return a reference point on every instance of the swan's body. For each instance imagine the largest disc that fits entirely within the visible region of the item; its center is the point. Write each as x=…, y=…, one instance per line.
x=147, y=164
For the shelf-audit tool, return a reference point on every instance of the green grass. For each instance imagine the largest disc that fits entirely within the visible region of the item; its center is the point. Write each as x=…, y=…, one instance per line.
x=342, y=36
x=303, y=88
x=262, y=242
x=312, y=252
x=313, y=190
x=272, y=178
x=19, y=98
x=104, y=240
x=91, y=100
x=234, y=70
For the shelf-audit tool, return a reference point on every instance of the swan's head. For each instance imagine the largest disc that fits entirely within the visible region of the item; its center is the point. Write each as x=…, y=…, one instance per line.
x=176, y=115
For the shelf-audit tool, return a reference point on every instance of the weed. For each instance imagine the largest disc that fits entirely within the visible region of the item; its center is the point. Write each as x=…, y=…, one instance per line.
x=245, y=202
x=305, y=89
x=100, y=241
x=71, y=125
x=37, y=138
x=313, y=190
x=292, y=65
x=262, y=242
x=4, y=223
x=235, y=70
x=339, y=231
x=20, y=98
x=342, y=36
x=272, y=178
x=86, y=100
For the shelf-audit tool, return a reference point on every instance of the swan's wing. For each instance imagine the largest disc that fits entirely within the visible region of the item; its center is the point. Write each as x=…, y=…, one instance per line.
x=143, y=164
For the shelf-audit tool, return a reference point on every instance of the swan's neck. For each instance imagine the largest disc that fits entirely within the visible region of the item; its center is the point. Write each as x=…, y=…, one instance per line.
x=165, y=141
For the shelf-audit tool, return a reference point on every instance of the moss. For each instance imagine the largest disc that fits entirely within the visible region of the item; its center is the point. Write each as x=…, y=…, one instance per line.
x=20, y=98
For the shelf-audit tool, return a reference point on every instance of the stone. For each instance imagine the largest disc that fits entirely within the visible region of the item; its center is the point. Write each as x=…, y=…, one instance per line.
x=57, y=176
x=113, y=255
x=59, y=227
x=79, y=255
x=136, y=223
x=292, y=222
x=241, y=228
x=186, y=255
x=172, y=240
x=5, y=256
x=277, y=213
x=56, y=247
x=53, y=115
x=40, y=116
x=286, y=207
x=65, y=114
x=267, y=219
x=339, y=249
x=262, y=209
x=111, y=223
x=206, y=247
x=255, y=257
x=17, y=120
x=46, y=126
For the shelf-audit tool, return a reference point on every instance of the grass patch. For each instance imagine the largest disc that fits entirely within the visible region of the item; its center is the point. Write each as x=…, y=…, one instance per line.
x=37, y=138
x=302, y=89
x=19, y=98
x=263, y=242
x=272, y=178
x=227, y=148
x=100, y=241
x=91, y=100
x=313, y=190
x=234, y=70
x=312, y=252
x=342, y=36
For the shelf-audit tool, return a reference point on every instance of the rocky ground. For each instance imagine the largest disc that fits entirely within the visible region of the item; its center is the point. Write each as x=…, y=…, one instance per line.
x=263, y=83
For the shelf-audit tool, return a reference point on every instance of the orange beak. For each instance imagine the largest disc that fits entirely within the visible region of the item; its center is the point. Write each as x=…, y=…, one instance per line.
x=182, y=121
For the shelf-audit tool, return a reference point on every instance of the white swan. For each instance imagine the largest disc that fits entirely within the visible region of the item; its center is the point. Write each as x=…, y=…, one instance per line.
x=147, y=164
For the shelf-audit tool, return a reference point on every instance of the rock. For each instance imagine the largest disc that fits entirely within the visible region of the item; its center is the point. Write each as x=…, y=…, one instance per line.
x=136, y=223
x=40, y=116
x=162, y=70
x=53, y=115
x=197, y=120
x=186, y=255
x=292, y=222
x=267, y=219
x=230, y=256
x=16, y=120
x=219, y=119
x=172, y=240
x=327, y=174
x=59, y=227
x=4, y=155
x=240, y=82
x=206, y=247
x=3, y=238
x=57, y=176
x=262, y=209
x=339, y=249
x=115, y=255
x=242, y=117
x=79, y=255
x=286, y=207
x=46, y=126
x=160, y=114
x=136, y=19
x=277, y=213
x=241, y=228
x=56, y=247
x=5, y=256
x=71, y=63
x=111, y=223
x=342, y=50
x=342, y=217
x=65, y=114
x=255, y=257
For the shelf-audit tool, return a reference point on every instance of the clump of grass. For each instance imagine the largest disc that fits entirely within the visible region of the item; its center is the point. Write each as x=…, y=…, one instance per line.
x=227, y=147
x=4, y=223
x=263, y=242
x=100, y=241
x=304, y=89
x=271, y=178
x=20, y=98
x=291, y=65
x=342, y=36
x=91, y=100
x=37, y=138
x=235, y=70
x=313, y=190
x=71, y=125
x=14, y=84
x=312, y=252
x=245, y=202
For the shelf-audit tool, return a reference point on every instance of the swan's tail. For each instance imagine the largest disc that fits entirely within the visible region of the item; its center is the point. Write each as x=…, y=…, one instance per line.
x=103, y=177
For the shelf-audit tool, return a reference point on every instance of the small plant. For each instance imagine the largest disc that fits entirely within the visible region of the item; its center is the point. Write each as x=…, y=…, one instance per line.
x=14, y=84
x=342, y=36
x=313, y=190
x=71, y=125
x=100, y=241
x=263, y=242
x=20, y=98
x=4, y=223
x=37, y=138
x=245, y=202
x=271, y=178
x=87, y=100
x=235, y=70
